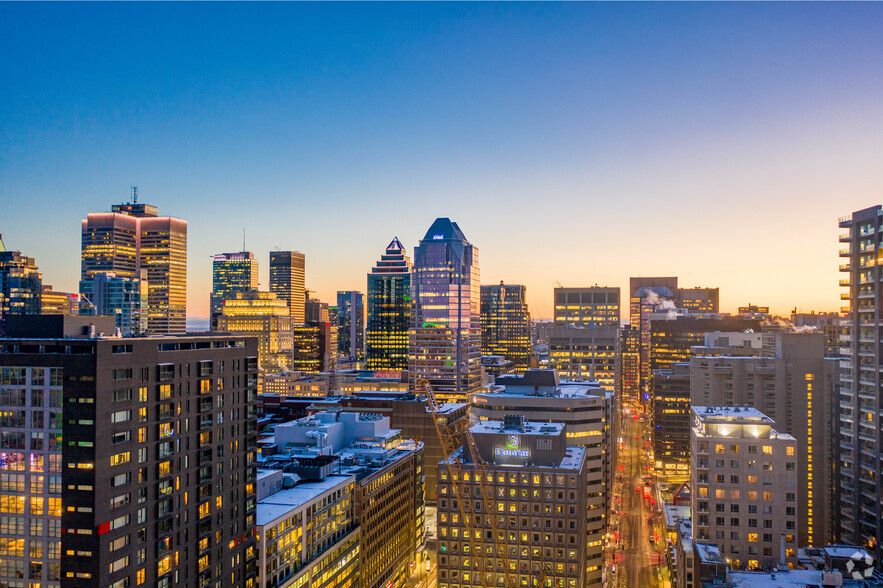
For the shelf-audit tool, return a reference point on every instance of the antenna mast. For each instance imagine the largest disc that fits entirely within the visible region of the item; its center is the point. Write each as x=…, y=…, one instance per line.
x=243, y=239
x=134, y=194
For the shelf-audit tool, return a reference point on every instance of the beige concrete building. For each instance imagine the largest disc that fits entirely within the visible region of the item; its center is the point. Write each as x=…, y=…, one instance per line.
x=791, y=381
x=744, y=479
x=265, y=316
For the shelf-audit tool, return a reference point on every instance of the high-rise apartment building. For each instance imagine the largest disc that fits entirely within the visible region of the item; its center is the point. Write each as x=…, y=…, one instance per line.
x=389, y=310
x=445, y=337
x=505, y=324
x=287, y=275
x=587, y=307
x=131, y=237
x=586, y=354
x=21, y=285
x=537, y=510
x=231, y=273
x=154, y=482
x=261, y=315
x=792, y=382
x=827, y=323
x=123, y=298
x=861, y=384
x=351, y=325
x=743, y=476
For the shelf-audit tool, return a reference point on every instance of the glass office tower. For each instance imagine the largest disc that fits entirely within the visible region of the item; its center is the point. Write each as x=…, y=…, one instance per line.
x=287, y=271
x=445, y=338
x=231, y=273
x=389, y=310
x=505, y=324
x=351, y=325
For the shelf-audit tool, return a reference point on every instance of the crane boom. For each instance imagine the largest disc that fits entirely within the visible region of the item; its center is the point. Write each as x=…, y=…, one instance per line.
x=469, y=509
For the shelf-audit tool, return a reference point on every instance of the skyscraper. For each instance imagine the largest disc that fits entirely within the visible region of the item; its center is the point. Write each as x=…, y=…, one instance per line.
x=587, y=307
x=287, y=271
x=131, y=237
x=389, y=310
x=861, y=384
x=231, y=273
x=351, y=325
x=648, y=295
x=148, y=471
x=124, y=298
x=445, y=338
x=21, y=285
x=505, y=324
x=263, y=315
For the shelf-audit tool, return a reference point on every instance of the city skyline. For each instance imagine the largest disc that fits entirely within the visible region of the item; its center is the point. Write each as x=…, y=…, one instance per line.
x=702, y=141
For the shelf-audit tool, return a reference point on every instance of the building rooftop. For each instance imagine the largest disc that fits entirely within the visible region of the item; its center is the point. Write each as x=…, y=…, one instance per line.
x=728, y=412
x=443, y=229
x=709, y=553
x=277, y=505
x=791, y=579
x=529, y=428
x=674, y=513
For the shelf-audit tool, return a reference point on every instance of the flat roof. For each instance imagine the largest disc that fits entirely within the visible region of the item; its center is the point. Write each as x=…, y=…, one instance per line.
x=709, y=553
x=530, y=428
x=277, y=505
x=673, y=512
x=787, y=579
x=746, y=412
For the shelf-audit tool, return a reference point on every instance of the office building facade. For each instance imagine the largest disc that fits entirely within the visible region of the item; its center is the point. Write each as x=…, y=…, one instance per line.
x=648, y=295
x=743, y=477
x=55, y=302
x=261, y=315
x=586, y=354
x=791, y=381
x=287, y=276
x=505, y=324
x=587, y=307
x=445, y=335
x=670, y=419
x=630, y=363
x=537, y=511
x=672, y=338
x=351, y=325
x=21, y=285
x=389, y=310
x=154, y=481
x=699, y=300
x=231, y=273
x=123, y=298
x=133, y=237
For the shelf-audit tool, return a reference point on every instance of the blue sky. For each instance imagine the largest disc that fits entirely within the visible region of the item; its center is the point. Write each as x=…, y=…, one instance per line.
x=577, y=143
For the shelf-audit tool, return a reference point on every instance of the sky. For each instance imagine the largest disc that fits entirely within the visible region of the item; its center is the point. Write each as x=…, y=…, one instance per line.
x=574, y=143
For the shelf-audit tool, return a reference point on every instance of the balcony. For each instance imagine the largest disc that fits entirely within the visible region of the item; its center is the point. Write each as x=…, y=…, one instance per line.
x=845, y=267
x=845, y=282
x=845, y=252
x=845, y=237
x=845, y=295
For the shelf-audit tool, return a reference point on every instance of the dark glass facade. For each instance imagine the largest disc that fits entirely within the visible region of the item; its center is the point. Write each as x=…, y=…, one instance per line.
x=445, y=339
x=389, y=310
x=505, y=324
x=231, y=273
x=351, y=325
x=21, y=285
x=287, y=271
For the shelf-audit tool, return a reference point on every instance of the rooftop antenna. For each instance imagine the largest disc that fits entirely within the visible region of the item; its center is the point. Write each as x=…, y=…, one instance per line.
x=243, y=239
x=134, y=194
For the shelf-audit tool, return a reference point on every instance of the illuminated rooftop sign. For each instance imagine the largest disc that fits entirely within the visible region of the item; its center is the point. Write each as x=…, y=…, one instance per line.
x=511, y=449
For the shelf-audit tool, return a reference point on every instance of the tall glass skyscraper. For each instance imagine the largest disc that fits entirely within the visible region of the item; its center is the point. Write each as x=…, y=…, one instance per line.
x=389, y=310
x=106, y=293
x=21, y=284
x=287, y=270
x=505, y=324
x=131, y=237
x=351, y=325
x=231, y=273
x=445, y=338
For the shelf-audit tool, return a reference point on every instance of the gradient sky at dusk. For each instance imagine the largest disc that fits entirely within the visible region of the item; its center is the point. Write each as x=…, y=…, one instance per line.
x=573, y=143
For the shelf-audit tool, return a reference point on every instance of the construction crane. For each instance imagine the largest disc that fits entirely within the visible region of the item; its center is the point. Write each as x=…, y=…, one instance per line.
x=470, y=510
